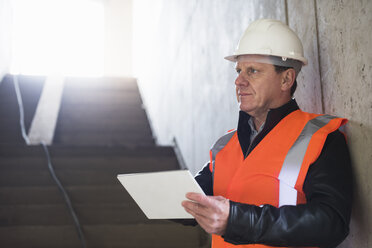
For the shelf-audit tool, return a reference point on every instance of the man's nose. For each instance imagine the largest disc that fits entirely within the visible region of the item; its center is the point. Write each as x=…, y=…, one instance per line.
x=240, y=80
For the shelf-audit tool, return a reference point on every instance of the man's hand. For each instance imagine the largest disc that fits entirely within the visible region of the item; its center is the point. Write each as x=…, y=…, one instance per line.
x=211, y=212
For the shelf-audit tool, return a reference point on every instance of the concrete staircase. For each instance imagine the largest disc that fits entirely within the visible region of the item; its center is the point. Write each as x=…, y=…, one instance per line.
x=102, y=131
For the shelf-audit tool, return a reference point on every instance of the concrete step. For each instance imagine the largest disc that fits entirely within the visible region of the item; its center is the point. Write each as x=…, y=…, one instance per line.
x=39, y=195
x=98, y=97
x=108, y=164
x=117, y=124
x=93, y=112
x=83, y=84
x=104, y=121
x=126, y=132
x=9, y=109
x=81, y=158
x=129, y=138
x=88, y=214
x=101, y=236
x=10, y=127
x=96, y=151
x=12, y=178
x=11, y=136
x=101, y=138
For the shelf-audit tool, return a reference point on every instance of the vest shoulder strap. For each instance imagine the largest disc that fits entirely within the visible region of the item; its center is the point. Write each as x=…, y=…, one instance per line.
x=218, y=146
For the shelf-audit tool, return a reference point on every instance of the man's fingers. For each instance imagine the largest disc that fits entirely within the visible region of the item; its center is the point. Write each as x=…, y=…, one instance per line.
x=200, y=198
x=194, y=207
x=190, y=211
x=202, y=220
x=203, y=199
x=197, y=197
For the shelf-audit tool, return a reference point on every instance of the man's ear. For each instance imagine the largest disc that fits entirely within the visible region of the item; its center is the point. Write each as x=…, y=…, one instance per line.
x=288, y=78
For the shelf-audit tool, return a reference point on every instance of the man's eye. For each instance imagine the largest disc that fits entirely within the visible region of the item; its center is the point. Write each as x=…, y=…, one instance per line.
x=238, y=71
x=252, y=71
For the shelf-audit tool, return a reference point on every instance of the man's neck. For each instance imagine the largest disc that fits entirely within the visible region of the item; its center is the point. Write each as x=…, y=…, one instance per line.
x=259, y=120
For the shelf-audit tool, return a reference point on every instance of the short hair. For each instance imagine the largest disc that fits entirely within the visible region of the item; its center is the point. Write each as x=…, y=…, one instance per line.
x=279, y=69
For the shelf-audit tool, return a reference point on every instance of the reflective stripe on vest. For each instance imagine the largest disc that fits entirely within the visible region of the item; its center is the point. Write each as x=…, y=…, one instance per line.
x=218, y=146
x=291, y=167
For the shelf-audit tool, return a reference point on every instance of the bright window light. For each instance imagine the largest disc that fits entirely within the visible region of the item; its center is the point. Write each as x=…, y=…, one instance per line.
x=58, y=37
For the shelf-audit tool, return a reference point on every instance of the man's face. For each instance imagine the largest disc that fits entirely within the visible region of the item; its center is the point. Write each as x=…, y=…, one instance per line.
x=258, y=87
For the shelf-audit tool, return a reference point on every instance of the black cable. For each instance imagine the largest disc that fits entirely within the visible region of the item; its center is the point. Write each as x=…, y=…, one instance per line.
x=65, y=196
x=50, y=166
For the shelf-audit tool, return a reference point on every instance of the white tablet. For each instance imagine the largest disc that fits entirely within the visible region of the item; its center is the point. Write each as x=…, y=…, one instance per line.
x=159, y=194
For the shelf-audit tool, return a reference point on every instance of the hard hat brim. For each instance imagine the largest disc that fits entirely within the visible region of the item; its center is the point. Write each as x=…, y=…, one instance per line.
x=234, y=58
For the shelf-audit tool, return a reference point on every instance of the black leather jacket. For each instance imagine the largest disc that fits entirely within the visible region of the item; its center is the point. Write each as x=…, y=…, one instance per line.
x=323, y=221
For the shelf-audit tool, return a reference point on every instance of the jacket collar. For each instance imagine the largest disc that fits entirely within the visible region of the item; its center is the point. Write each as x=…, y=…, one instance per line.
x=274, y=116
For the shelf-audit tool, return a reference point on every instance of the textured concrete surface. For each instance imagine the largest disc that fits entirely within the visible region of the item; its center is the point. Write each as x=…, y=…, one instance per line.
x=308, y=93
x=5, y=36
x=345, y=39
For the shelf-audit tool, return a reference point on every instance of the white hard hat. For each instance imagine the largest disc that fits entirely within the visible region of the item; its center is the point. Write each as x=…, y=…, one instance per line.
x=270, y=37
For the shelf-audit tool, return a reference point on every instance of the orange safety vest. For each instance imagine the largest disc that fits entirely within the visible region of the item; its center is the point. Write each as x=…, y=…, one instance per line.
x=275, y=170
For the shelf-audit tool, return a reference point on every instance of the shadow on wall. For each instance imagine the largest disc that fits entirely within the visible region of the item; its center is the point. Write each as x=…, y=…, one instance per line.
x=360, y=225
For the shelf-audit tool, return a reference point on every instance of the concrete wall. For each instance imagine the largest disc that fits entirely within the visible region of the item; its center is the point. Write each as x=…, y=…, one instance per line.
x=5, y=36
x=342, y=63
x=188, y=88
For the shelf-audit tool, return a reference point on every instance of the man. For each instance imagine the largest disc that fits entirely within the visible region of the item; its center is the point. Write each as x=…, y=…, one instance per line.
x=283, y=178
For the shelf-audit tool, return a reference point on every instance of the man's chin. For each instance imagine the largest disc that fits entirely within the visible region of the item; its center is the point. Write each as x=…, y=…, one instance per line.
x=246, y=109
